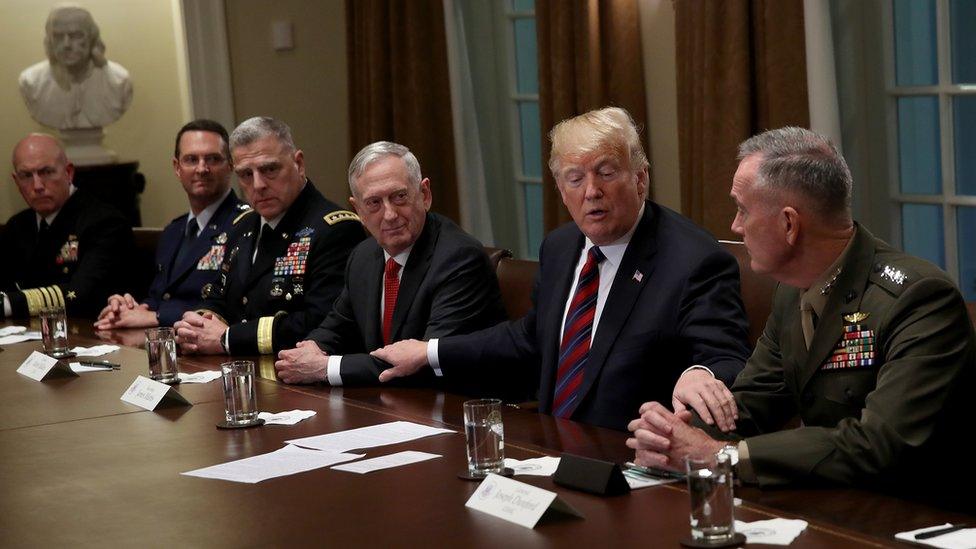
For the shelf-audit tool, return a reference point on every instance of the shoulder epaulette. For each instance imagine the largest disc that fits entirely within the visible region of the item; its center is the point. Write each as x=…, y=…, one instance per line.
x=241, y=216
x=894, y=278
x=340, y=215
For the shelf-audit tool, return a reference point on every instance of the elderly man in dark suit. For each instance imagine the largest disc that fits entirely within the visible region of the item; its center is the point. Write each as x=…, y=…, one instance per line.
x=870, y=347
x=633, y=302
x=420, y=276
x=192, y=246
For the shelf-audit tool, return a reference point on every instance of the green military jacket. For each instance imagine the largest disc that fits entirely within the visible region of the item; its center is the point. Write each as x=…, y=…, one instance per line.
x=880, y=393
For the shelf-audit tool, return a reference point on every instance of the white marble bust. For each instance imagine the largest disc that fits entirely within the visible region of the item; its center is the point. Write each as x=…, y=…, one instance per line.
x=76, y=87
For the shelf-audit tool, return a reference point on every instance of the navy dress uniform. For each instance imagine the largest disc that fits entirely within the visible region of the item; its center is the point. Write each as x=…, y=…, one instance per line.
x=296, y=274
x=76, y=262
x=181, y=275
x=881, y=388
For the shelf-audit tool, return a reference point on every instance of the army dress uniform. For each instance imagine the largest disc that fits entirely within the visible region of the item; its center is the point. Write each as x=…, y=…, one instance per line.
x=181, y=275
x=76, y=262
x=295, y=277
x=881, y=389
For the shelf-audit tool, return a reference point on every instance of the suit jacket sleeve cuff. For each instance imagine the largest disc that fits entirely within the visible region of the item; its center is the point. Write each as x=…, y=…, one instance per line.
x=432, y=358
x=242, y=338
x=698, y=367
x=744, y=467
x=334, y=370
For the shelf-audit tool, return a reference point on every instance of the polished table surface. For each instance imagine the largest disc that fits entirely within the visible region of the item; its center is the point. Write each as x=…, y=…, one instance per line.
x=80, y=467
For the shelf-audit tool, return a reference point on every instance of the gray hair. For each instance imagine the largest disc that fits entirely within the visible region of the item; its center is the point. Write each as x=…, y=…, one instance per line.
x=799, y=160
x=260, y=127
x=375, y=151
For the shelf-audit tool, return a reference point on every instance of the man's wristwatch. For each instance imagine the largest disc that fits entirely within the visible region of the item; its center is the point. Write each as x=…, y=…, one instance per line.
x=731, y=450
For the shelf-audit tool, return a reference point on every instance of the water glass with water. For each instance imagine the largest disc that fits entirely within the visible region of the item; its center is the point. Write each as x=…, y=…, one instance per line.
x=240, y=403
x=710, y=486
x=161, y=350
x=54, y=331
x=485, y=436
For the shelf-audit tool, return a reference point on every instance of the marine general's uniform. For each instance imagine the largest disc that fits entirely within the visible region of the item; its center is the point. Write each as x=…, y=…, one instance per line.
x=881, y=391
x=76, y=262
x=295, y=277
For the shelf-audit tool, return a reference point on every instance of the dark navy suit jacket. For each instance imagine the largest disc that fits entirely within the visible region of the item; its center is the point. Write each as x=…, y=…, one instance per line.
x=177, y=288
x=674, y=303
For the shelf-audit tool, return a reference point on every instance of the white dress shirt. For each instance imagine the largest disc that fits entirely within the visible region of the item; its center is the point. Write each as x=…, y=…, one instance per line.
x=335, y=361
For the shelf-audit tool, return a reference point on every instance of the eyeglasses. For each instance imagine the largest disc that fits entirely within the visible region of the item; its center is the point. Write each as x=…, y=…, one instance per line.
x=210, y=160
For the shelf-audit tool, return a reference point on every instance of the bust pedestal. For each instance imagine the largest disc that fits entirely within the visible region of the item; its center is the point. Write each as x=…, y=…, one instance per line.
x=118, y=184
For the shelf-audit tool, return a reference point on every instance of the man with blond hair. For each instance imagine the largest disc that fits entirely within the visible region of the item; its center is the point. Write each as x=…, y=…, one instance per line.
x=633, y=302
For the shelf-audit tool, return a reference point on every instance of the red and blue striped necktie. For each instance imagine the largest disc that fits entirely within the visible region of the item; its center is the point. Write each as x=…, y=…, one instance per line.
x=575, y=346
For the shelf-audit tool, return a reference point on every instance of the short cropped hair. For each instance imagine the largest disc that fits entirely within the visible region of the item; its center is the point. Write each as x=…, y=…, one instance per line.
x=375, y=151
x=91, y=29
x=203, y=125
x=610, y=130
x=260, y=127
x=805, y=162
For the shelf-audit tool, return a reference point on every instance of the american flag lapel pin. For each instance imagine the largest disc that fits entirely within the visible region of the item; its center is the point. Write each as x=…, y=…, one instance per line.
x=638, y=276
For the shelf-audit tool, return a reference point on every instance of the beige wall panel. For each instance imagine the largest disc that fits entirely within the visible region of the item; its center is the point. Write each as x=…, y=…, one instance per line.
x=304, y=86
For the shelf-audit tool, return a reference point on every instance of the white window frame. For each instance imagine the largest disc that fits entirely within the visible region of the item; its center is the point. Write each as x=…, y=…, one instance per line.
x=522, y=181
x=945, y=91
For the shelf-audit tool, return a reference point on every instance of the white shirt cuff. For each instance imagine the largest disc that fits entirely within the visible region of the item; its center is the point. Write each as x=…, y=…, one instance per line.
x=334, y=369
x=697, y=367
x=226, y=338
x=7, y=309
x=435, y=363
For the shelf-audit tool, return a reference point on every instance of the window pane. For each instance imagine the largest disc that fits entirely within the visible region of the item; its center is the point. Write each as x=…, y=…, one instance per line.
x=962, y=15
x=523, y=5
x=915, y=50
x=526, y=62
x=531, y=138
x=921, y=232
x=918, y=145
x=533, y=218
x=964, y=126
x=966, y=235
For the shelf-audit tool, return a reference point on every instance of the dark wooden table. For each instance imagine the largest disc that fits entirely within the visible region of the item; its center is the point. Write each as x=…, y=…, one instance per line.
x=80, y=467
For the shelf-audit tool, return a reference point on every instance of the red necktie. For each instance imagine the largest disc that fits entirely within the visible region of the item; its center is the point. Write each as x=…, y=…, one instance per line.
x=575, y=347
x=391, y=286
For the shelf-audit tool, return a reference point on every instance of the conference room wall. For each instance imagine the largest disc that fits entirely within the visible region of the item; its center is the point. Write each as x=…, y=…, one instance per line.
x=305, y=86
x=146, y=37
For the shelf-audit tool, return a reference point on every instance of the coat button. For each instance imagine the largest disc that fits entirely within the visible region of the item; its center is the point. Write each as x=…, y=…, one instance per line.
x=65, y=270
x=166, y=296
x=244, y=300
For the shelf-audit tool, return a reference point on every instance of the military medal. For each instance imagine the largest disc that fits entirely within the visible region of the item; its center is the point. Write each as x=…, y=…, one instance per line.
x=68, y=252
x=293, y=262
x=212, y=260
x=855, y=349
x=276, y=287
x=221, y=238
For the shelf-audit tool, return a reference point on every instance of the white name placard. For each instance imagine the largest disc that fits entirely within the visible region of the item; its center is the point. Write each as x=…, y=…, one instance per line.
x=147, y=393
x=38, y=366
x=516, y=501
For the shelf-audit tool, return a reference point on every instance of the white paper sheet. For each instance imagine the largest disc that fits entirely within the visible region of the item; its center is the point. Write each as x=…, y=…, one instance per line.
x=960, y=539
x=286, y=461
x=20, y=337
x=96, y=350
x=10, y=330
x=636, y=479
x=290, y=417
x=543, y=466
x=385, y=462
x=199, y=377
x=776, y=531
x=80, y=368
x=368, y=437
